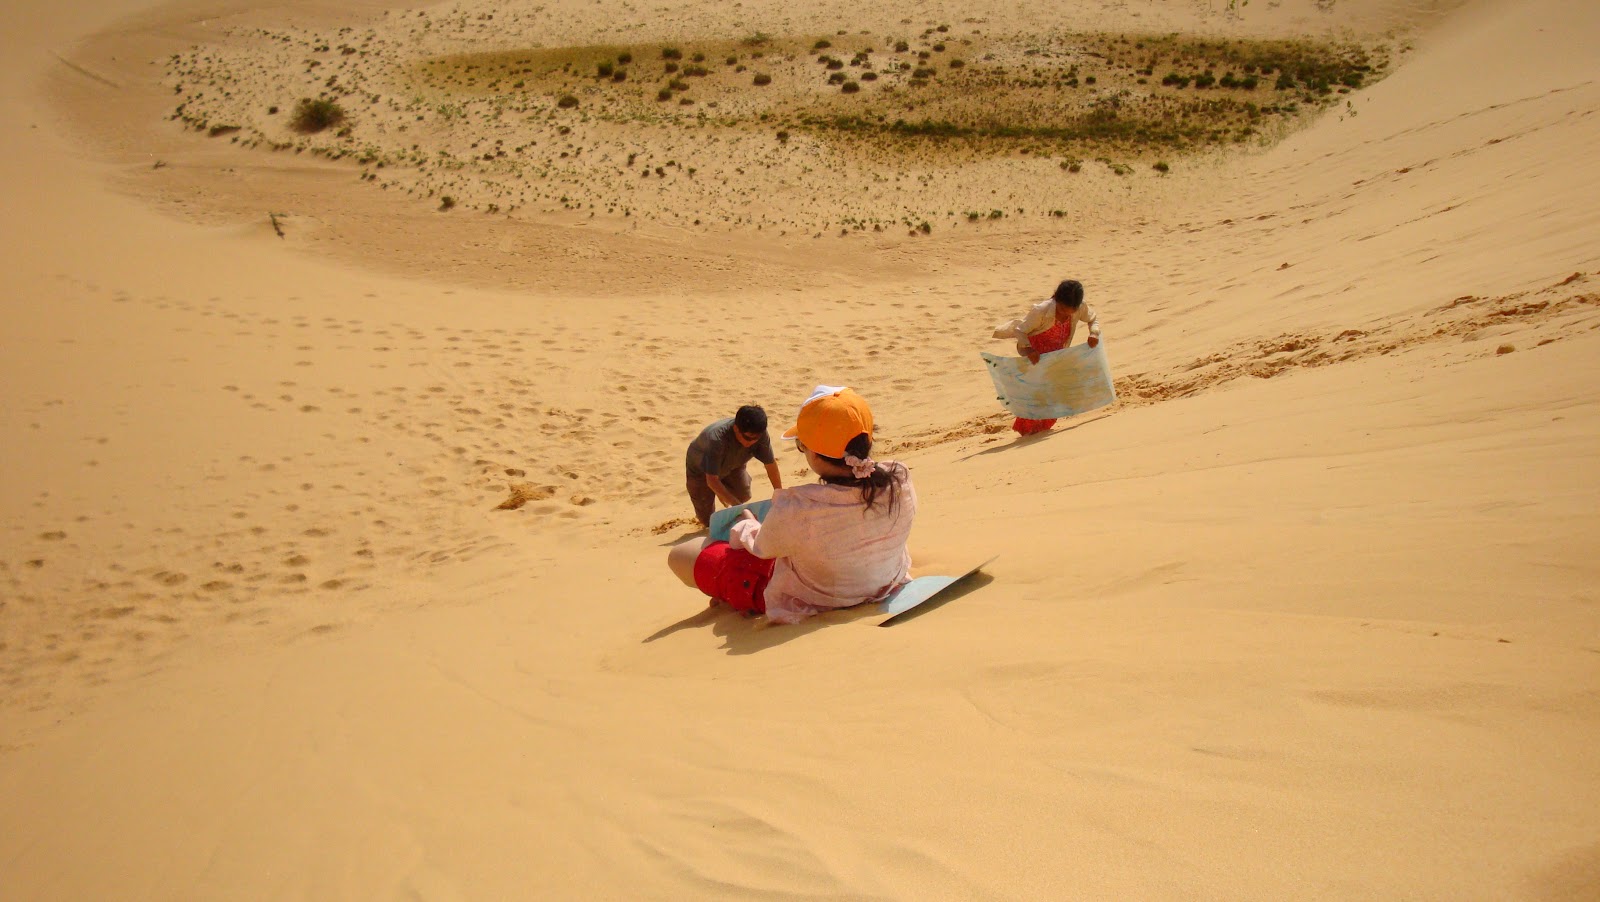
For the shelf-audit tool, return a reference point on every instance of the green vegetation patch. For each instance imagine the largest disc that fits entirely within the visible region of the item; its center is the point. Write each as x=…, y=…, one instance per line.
x=1079, y=93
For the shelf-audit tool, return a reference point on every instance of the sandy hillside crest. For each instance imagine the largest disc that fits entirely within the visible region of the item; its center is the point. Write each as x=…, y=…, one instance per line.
x=1311, y=613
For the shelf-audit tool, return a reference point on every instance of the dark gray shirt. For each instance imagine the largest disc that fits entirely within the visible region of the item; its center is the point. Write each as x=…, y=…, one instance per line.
x=716, y=451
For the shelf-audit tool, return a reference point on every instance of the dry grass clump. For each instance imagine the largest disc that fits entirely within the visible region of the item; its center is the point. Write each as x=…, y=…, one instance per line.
x=313, y=115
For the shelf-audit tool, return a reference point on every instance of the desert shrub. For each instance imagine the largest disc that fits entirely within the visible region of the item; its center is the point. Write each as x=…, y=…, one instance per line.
x=605, y=69
x=314, y=115
x=923, y=73
x=1161, y=167
x=956, y=64
x=699, y=57
x=869, y=76
x=624, y=58
x=849, y=87
x=901, y=46
x=695, y=71
x=762, y=78
x=664, y=94
x=670, y=68
x=446, y=204
x=671, y=53
x=567, y=102
x=836, y=78
x=835, y=64
x=620, y=75
x=678, y=84
x=822, y=45
x=783, y=137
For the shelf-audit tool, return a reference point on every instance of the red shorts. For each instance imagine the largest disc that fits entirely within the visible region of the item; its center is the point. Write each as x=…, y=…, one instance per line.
x=733, y=576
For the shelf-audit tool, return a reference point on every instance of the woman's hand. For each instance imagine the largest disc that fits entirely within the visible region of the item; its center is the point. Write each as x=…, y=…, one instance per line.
x=1094, y=340
x=1033, y=356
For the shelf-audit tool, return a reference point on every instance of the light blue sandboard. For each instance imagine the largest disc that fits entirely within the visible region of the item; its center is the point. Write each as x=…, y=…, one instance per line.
x=722, y=520
x=1063, y=383
x=920, y=590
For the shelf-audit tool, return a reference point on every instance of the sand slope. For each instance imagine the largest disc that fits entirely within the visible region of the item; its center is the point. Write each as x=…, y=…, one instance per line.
x=1310, y=614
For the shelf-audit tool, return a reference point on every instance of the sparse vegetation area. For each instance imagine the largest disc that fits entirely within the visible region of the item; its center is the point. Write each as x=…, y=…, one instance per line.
x=547, y=127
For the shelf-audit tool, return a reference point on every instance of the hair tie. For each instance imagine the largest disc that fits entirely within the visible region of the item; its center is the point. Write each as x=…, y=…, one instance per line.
x=860, y=468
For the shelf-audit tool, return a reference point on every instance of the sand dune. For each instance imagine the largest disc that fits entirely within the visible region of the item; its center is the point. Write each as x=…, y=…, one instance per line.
x=332, y=562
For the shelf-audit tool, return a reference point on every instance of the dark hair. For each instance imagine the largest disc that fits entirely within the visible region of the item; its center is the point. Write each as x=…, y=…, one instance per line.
x=884, y=479
x=1070, y=293
x=751, y=419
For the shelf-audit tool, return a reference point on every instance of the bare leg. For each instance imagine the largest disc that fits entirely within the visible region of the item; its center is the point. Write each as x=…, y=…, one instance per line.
x=681, y=559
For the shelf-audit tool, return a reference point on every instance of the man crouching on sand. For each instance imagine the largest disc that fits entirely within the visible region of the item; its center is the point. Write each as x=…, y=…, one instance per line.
x=715, y=465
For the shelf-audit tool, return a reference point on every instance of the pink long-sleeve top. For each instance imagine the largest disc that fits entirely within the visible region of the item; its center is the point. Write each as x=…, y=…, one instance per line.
x=831, y=551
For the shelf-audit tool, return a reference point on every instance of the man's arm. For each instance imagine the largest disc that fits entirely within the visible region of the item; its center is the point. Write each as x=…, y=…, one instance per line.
x=773, y=476
x=720, y=490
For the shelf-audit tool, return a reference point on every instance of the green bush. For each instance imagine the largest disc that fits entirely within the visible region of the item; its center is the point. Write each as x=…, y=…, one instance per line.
x=315, y=115
x=762, y=78
x=567, y=102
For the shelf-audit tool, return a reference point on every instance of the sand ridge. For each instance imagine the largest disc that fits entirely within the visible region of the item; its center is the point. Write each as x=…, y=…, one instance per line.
x=1310, y=613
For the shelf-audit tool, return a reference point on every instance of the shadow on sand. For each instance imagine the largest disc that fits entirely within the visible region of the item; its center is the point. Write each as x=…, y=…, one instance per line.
x=742, y=635
x=1024, y=440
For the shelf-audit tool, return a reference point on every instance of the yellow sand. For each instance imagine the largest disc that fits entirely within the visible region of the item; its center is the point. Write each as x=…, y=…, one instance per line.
x=1311, y=613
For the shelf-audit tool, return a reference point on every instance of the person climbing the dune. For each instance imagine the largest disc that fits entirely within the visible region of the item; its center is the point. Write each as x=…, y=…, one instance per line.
x=715, y=464
x=835, y=543
x=1049, y=326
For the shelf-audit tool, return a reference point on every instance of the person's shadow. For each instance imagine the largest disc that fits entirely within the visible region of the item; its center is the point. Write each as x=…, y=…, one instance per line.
x=1024, y=440
x=743, y=635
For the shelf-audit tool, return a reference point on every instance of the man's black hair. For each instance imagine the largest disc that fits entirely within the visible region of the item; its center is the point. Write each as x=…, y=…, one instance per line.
x=751, y=420
x=1070, y=293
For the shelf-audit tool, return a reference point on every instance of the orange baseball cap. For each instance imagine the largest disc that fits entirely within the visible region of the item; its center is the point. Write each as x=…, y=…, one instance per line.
x=830, y=418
